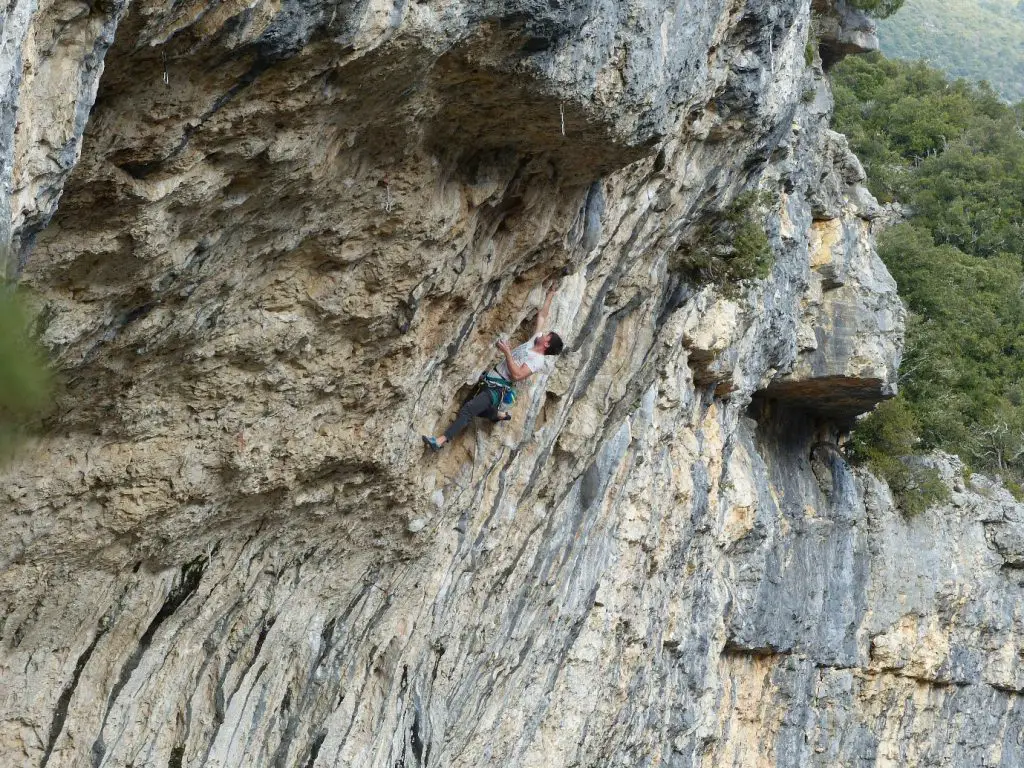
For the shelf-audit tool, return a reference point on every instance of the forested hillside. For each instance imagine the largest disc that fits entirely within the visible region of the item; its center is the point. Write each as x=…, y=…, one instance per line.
x=975, y=39
x=954, y=153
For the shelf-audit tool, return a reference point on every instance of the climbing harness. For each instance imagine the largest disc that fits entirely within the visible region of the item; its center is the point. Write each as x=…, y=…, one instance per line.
x=502, y=392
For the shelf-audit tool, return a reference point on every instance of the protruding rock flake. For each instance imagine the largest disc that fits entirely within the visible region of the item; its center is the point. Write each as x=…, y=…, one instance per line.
x=272, y=244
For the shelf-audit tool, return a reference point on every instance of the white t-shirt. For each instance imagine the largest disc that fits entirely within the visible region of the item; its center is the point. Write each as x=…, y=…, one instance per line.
x=524, y=354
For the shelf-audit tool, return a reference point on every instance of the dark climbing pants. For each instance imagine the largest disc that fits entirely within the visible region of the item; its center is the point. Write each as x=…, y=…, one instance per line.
x=475, y=406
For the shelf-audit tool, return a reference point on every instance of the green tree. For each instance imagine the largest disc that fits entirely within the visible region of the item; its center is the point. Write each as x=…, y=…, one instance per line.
x=973, y=39
x=955, y=154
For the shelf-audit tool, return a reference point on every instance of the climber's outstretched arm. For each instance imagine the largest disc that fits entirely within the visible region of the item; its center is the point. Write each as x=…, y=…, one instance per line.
x=542, y=313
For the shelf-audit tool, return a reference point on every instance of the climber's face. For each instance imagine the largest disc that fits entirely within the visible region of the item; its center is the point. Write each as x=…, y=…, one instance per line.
x=549, y=343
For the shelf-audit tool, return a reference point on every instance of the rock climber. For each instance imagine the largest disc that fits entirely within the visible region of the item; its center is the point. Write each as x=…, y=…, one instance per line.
x=495, y=392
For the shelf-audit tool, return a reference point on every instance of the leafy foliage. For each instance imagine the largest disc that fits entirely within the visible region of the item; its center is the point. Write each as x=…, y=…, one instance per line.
x=974, y=39
x=878, y=8
x=732, y=246
x=885, y=441
x=24, y=380
x=955, y=153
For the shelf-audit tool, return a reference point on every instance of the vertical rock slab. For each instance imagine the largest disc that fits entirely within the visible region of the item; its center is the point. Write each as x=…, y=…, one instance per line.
x=51, y=60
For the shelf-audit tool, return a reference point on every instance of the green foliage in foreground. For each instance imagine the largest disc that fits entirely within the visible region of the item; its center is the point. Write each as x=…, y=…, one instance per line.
x=955, y=154
x=24, y=379
x=732, y=245
x=974, y=39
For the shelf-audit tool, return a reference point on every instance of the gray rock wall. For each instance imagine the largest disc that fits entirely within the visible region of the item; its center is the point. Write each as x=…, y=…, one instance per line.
x=291, y=238
x=51, y=59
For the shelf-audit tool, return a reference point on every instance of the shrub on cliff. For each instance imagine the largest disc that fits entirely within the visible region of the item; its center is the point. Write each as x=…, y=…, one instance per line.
x=877, y=8
x=885, y=442
x=732, y=245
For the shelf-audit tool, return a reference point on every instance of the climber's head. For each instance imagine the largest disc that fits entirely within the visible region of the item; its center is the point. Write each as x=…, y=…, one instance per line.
x=549, y=343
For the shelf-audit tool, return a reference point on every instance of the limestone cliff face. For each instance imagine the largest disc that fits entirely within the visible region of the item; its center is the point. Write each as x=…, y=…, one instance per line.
x=273, y=252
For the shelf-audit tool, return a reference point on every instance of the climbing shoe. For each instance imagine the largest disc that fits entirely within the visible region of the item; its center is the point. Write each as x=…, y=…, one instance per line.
x=431, y=443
